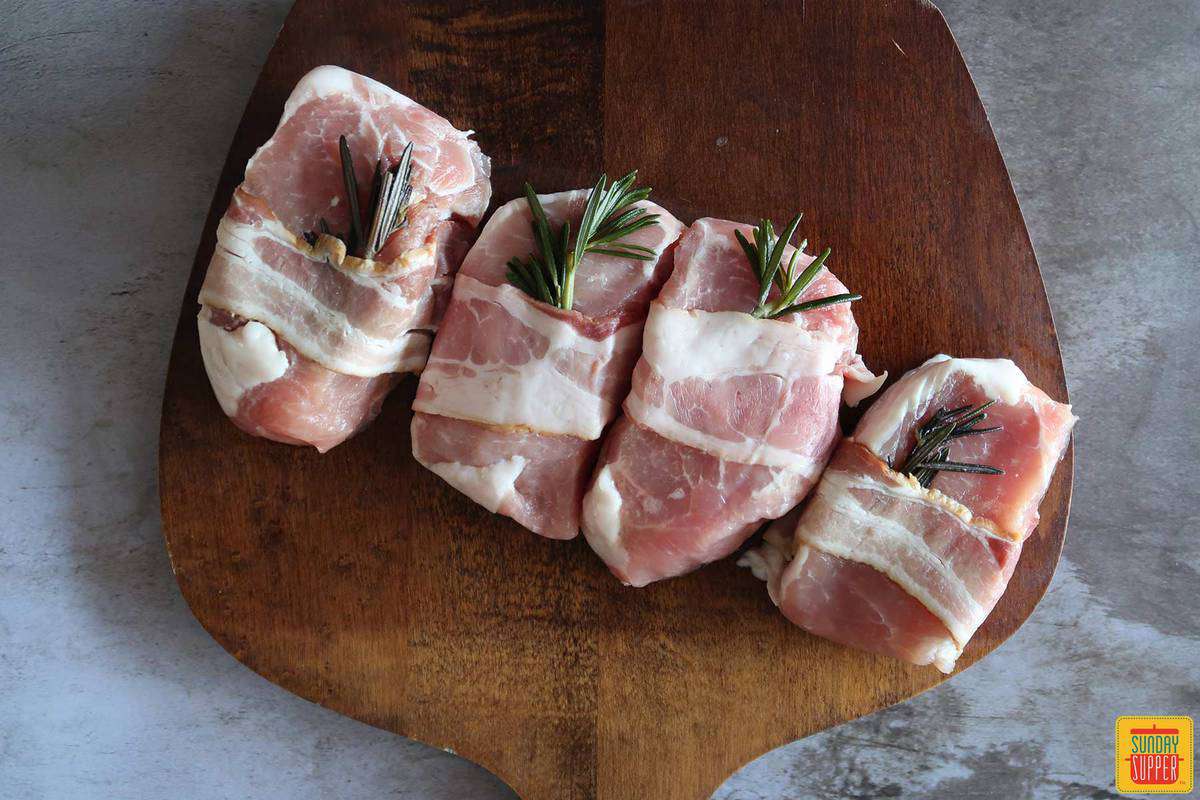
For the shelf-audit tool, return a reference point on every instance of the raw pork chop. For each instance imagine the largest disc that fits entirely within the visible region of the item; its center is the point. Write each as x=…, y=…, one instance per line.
x=517, y=393
x=730, y=419
x=881, y=563
x=301, y=341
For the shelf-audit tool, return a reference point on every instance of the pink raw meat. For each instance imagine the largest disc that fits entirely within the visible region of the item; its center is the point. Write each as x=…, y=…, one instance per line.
x=880, y=563
x=343, y=327
x=517, y=393
x=1036, y=432
x=730, y=418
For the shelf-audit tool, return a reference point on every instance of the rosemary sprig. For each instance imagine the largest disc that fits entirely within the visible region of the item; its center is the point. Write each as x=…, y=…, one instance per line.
x=391, y=191
x=766, y=259
x=931, y=454
x=351, y=184
x=610, y=215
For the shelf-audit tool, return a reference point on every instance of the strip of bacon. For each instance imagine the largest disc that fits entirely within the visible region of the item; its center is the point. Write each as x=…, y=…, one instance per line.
x=345, y=327
x=730, y=419
x=1035, y=436
x=517, y=393
x=348, y=322
x=881, y=563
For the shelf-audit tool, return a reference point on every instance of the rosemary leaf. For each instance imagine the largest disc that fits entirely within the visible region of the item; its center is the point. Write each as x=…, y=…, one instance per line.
x=351, y=185
x=958, y=466
x=810, y=305
x=806, y=277
x=931, y=453
x=973, y=431
x=376, y=183
x=391, y=190
x=608, y=217
x=389, y=205
x=541, y=229
x=777, y=251
x=766, y=260
x=385, y=191
x=517, y=277
x=589, y=222
x=532, y=279
x=750, y=250
x=635, y=256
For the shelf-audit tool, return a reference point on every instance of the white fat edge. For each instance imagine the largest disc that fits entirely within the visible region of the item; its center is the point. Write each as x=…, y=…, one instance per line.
x=858, y=388
x=330, y=81
x=377, y=355
x=999, y=379
x=489, y=486
x=909, y=488
x=764, y=561
x=695, y=237
x=317, y=84
x=550, y=202
x=782, y=480
x=518, y=207
x=469, y=205
x=602, y=519
x=795, y=555
x=1046, y=466
x=686, y=343
x=944, y=656
x=669, y=227
x=535, y=394
x=749, y=451
x=768, y=560
x=238, y=360
x=230, y=232
x=561, y=334
x=413, y=358
x=872, y=539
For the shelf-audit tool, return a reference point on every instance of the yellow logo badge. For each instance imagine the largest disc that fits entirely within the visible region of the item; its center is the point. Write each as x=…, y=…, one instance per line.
x=1154, y=755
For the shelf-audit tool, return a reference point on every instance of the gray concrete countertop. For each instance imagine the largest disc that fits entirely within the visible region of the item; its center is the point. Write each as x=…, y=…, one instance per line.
x=116, y=119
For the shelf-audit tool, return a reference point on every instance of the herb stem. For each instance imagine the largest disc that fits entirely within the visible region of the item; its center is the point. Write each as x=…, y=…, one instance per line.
x=611, y=214
x=568, y=289
x=766, y=259
x=931, y=453
x=391, y=191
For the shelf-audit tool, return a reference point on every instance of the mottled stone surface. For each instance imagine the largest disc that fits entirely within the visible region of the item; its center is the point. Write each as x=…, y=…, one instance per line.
x=116, y=118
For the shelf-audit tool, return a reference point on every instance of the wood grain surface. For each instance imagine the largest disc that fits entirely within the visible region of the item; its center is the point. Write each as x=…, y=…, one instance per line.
x=362, y=582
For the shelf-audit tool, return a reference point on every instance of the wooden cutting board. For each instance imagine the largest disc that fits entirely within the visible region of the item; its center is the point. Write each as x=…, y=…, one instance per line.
x=362, y=582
